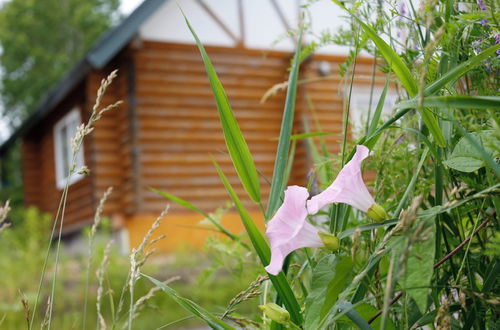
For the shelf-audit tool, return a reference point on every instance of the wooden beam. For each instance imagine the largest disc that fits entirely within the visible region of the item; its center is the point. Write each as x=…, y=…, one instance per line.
x=241, y=16
x=219, y=22
x=283, y=19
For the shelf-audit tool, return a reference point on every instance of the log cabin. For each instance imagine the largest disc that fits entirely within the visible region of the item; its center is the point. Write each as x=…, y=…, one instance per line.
x=167, y=128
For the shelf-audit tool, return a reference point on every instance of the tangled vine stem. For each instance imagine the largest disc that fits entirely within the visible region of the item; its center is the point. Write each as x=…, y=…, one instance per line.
x=440, y=262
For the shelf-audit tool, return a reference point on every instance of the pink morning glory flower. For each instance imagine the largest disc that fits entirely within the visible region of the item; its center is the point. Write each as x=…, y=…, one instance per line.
x=289, y=230
x=350, y=189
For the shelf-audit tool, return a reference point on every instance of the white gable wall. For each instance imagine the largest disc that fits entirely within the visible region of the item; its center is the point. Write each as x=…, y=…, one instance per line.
x=263, y=27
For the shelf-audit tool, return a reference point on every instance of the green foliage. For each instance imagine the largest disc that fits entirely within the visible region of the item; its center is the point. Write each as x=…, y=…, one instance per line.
x=433, y=209
x=22, y=256
x=260, y=245
x=209, y=318
x=41, y=40
x=366, y=312
x=228, y=256
x=418, y=257
x=439, y=249
x=466, y=158
x=11, y=187
x=21, y=243
x=330, y=277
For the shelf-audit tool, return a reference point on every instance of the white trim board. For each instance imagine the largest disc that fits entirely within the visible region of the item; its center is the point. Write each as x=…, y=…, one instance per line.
x=64, y=131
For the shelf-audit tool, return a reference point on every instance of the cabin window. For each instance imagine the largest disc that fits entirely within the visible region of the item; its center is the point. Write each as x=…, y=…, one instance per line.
x=64, y=131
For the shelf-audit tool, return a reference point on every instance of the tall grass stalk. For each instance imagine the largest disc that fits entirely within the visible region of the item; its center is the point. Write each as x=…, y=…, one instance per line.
x=76, y=144
x=93, y=230
x=138, y=257
x=4, y=211
x=101, y=323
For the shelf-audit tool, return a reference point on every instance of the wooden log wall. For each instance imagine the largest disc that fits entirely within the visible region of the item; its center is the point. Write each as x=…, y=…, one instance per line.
x=111, y=140
x=179, y=123
x=165, y=132
x=40, y=174
x=180, y=129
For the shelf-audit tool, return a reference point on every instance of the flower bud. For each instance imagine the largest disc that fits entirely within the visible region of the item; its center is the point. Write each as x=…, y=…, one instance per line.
x=377, y=213
x=276, y=313
x=330, y=241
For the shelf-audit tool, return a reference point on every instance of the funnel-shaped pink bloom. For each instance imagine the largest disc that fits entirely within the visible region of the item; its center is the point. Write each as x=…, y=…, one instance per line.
x=347, y=188
x=288, y=230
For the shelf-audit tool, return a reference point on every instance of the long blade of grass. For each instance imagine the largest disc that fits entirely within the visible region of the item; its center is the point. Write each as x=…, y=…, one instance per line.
x=396, y=63
x=412, y=183
x=192, y=307
x=194, y=208
x=454, y=101
x=351, y=313
x=321, y=166
x=378, y=109
x=427, y=142
x=289, y=164
x=459, y=70
x=402, y=72
x=370, y=140
x=371, y=226
x=277, y=182
x=302, y=136
x=261, y=247
x=235, y=142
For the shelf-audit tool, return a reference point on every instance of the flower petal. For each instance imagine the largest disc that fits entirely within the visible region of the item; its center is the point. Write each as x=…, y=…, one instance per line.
x=288, y=230
x=347, y=188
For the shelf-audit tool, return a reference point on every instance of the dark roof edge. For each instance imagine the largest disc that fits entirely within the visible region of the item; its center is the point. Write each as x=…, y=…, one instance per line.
x=115, y=39
x=97, y=57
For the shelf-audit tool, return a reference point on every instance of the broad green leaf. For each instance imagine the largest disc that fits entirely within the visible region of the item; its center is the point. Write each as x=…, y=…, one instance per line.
x=330, y=277
x=464, y=164
x=485, y=155
x=402, y=72
x=419, y=266
x=277, y=182
x=236, y=144
x=466, y=157
x=192, y=207
x=280, y=282
x=459, y=70
x=454, y=101
x=192, y=307
x=356, y=282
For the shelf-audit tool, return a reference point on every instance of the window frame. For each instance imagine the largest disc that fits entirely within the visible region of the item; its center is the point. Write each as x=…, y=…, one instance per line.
x=72, y=116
